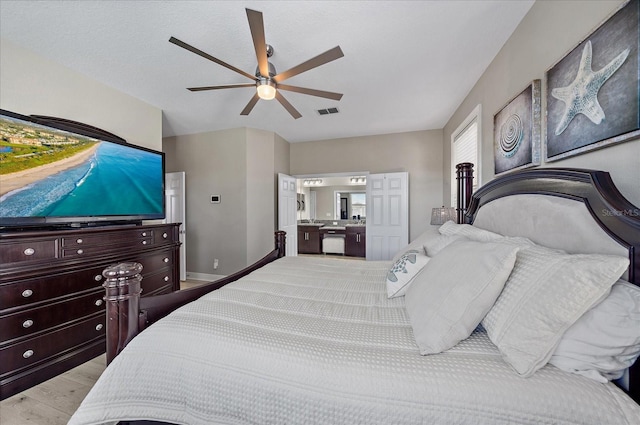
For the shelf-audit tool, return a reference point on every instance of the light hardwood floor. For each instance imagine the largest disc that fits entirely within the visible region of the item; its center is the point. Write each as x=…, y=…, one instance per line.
x=54, y=401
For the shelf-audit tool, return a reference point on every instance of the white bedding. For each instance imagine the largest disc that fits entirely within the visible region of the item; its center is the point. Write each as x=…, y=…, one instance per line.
x=316, y=341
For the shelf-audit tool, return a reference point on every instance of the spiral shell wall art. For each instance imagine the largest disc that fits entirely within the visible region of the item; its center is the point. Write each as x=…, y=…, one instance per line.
x=511, y=134
x=517, y=131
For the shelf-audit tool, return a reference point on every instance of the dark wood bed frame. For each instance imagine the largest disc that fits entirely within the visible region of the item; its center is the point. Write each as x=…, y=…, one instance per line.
x=128, y=314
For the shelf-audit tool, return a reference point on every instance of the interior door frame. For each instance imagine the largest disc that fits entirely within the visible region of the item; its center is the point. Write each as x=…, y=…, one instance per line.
x=183, y=220
x=288, y=211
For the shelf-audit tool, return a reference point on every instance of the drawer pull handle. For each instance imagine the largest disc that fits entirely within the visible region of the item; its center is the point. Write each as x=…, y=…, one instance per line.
x=79, y=241
x=98, y=303
x=144, y=242
x=27, y=323
x=164, y=235
x=80, y=251
x=27, y=354
x=97, y=277
x=99, y=327
x=27, y=293
x=166, y=278
x=29, y=251
x=166, y=260
x=144, y=233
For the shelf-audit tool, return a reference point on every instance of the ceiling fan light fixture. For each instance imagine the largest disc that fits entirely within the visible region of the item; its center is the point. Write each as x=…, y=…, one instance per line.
x=266, y=89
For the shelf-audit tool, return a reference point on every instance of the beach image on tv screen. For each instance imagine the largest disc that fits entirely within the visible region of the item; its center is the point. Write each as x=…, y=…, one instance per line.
x=45, y=172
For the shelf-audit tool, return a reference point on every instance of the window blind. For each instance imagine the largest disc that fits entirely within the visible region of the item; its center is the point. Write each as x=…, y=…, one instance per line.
x=465, y=149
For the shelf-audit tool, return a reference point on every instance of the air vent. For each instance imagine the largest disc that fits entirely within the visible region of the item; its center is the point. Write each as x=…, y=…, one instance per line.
x=328, y=111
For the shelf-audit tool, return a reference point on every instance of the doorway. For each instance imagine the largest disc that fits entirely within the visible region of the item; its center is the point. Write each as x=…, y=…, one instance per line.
x=176, y=213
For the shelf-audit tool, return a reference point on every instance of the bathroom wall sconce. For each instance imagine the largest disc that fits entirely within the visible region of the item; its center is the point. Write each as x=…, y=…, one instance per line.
x=312, y=182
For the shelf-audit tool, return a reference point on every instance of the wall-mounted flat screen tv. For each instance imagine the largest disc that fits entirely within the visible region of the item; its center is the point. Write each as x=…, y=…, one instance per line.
x=64, y=173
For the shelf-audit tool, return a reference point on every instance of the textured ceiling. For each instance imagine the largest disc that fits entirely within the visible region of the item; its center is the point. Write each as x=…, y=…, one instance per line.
x=407, y=66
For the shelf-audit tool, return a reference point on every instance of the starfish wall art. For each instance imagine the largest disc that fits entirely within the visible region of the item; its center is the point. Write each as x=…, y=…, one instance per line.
x=581, y=96
x=593, y=92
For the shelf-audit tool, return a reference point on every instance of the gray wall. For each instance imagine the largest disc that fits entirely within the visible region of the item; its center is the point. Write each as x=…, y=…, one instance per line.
x=261, y=196
x=31, y=84
x=549, y=31
x=240, y=165
x=418, y=152
x=281, y=165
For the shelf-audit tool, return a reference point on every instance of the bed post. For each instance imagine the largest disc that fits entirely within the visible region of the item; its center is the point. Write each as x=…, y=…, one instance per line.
x=464, y=176
x=122, y=298
x=280, y=239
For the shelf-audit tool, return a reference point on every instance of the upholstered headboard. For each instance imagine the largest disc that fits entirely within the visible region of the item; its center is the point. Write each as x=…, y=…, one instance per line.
x=576, y=210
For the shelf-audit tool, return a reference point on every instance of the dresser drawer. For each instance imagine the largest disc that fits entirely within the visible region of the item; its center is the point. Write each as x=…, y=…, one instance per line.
x=154, y=263
x=89, y=250
x=26, y=251
x=157, y=283
x=34, y=320
x=37, y=349
x=164, y=234
x=122, y=238
x=23, y=292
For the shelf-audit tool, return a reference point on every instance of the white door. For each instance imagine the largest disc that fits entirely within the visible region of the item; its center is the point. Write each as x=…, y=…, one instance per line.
x=174, y=195
x=287, y=211
x=387, y=214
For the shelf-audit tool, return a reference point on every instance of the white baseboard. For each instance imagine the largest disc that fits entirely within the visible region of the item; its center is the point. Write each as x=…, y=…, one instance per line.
x=204, y=276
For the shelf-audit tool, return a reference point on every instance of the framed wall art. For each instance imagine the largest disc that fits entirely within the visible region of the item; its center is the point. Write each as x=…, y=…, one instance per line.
x=516, y=131
x=593, y=93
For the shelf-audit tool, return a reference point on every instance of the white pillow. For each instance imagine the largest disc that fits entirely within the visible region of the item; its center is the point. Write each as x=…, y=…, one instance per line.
x=548, y=290
x=468, y=231
x=403, y=271
x=606, y=339
x=435, y=245
x=417, y=243
x=454, y=291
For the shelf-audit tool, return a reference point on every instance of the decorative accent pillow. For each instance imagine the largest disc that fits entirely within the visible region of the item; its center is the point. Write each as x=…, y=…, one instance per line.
x=403, y=271
x=474, y=233
x=435, y=245
x=547, y=292
x=454, y=291
x=606, y=339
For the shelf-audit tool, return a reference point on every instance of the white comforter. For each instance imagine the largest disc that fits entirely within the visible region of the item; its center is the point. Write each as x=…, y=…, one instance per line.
x=316, y=341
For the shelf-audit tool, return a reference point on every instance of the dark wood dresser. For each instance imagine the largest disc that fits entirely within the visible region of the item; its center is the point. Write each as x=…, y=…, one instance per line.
x=52, y=313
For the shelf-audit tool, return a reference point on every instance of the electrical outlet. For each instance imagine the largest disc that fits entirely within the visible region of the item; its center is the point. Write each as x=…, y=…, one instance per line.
x=215, y=263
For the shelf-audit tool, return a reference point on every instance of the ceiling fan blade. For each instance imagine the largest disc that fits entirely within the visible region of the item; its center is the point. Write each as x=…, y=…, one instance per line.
x=228, y=86
x=250, y=105
x=289, y=107
x=208, y=56
x=321, y=59
x=312, y=92
x=256, y=24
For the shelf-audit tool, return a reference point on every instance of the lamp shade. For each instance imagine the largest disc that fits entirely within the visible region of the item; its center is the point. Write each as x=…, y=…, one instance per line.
x=442, y=215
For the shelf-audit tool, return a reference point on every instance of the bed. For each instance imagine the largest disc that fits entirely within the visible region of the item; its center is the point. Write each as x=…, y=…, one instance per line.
x=305, y=340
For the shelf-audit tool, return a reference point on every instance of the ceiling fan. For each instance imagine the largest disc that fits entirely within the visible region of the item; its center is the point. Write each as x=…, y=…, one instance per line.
x=266, y=81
